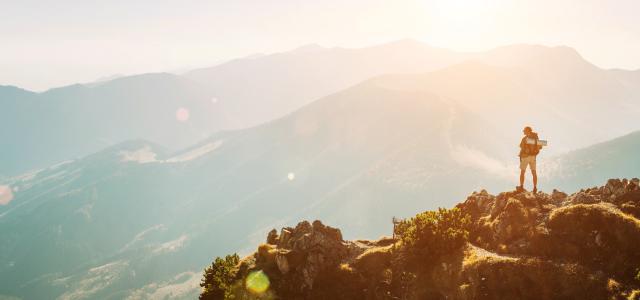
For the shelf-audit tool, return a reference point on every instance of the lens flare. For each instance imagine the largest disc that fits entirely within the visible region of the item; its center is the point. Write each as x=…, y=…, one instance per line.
x=291, y=176
x=257, y=282
x=5, y=194
x=182, y=114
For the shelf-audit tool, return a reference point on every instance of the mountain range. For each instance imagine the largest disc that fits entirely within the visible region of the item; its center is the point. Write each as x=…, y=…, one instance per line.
x=141, y=216
x=514, y=84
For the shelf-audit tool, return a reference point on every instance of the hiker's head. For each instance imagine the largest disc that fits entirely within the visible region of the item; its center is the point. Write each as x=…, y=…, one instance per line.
x=527, y=130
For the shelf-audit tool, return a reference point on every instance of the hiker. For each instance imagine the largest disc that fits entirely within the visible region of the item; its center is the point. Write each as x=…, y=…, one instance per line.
x=529, y=149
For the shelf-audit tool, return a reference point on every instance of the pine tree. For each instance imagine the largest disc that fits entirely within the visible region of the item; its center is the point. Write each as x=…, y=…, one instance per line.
x=219, y=277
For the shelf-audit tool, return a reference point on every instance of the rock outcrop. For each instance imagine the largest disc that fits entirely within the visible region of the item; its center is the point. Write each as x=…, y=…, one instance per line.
x=303, y=261
x=305, y=252
x=520, y=246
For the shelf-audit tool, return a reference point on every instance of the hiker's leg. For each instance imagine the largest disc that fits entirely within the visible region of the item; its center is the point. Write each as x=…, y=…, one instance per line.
x=523, y=168
x=534, y=174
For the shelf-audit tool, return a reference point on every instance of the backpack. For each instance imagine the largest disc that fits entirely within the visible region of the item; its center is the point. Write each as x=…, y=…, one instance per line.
x=533, y=149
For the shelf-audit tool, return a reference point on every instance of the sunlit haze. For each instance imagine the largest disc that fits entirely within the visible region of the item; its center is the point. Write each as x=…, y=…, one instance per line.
x=54, y=43
x=358, y=149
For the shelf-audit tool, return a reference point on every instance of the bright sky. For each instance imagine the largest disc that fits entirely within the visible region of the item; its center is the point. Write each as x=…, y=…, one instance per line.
x=46, y=44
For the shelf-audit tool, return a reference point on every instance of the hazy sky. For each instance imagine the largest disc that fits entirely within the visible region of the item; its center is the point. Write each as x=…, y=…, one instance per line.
x=46, y=44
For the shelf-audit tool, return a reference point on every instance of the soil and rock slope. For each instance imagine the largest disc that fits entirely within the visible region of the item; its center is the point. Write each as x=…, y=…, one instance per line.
x=508, y=246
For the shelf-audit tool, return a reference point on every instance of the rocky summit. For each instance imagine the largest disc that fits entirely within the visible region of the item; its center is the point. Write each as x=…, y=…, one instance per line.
x=514, y=245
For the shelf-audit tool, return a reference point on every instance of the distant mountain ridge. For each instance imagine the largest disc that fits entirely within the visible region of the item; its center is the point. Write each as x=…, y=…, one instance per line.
x=249, y=91
x=589, y=165
x=287, y=81
x=70, y=122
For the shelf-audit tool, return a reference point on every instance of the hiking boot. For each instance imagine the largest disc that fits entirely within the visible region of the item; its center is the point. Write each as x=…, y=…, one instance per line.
x=519, y=189
x=535, y=190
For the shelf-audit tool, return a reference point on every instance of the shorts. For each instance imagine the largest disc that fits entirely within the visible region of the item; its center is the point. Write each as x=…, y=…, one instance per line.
x=528, y=161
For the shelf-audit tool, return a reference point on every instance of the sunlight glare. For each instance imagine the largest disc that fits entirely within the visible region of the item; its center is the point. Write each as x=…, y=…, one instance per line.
x=257, y=282
x=182, y=114
x=6, y=195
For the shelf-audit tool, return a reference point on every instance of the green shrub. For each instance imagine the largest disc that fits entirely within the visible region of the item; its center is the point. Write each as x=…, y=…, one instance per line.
x=219, y=277
x=434, y=233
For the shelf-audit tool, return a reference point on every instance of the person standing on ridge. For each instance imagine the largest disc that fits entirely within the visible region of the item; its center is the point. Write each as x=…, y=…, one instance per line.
x=529, y=149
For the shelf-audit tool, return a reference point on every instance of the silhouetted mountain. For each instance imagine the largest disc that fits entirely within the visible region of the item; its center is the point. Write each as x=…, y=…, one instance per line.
x=13, y=92
x=509, y=246
x=589, y=166
x=282, y=82
x=573, y=106
x=70, y=122
x=529, y=84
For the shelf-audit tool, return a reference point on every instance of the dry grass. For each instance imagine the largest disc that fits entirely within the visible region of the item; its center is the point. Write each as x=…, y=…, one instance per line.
x=374, y=259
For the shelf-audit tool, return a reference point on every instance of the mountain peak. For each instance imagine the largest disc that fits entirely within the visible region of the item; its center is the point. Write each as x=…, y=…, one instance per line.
x=568, y=53
x=14, y=91
x=104, y=79
x=512, y=245
x=528, y=54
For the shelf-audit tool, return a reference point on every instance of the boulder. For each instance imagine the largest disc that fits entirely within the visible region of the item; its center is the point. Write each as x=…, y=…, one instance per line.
x=272, y=237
